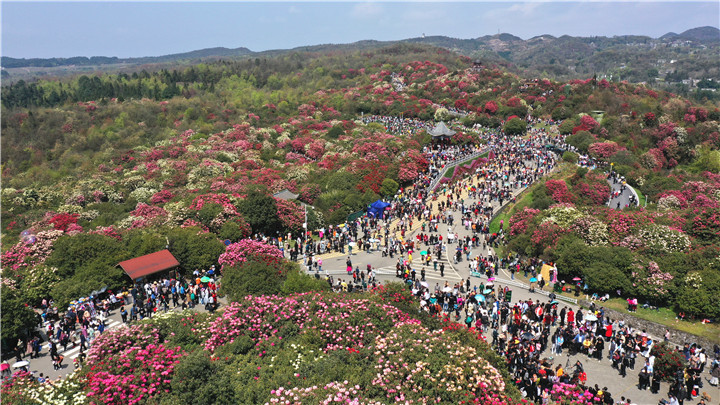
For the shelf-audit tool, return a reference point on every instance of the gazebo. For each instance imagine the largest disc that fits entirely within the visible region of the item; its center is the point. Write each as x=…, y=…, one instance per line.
x=441, y=133
x=286, y=195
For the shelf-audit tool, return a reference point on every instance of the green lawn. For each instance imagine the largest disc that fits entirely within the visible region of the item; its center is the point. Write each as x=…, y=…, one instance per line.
x=666, y=316
x=641, y=196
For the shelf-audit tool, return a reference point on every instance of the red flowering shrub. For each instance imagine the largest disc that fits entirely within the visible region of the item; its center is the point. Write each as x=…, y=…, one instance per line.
x=161, y=197
x=547, y=234
x=668, y=361
x=559, y=191
x=520, y=220
x=63, y=221
x=251, y=250
x=603, y=150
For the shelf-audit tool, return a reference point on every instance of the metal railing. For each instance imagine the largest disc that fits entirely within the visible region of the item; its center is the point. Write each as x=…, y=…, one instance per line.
x=434, y=183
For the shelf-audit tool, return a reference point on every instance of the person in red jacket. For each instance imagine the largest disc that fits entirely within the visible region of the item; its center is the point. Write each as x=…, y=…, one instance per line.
x=571, y=317
x=608, y=332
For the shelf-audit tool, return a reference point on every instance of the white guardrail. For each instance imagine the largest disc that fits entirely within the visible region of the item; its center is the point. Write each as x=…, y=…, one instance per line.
x=453, y=164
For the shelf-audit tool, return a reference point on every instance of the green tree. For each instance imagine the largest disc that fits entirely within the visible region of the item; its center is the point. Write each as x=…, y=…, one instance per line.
x=261, y=213
x=18, y=319
x=197, y=379
x=298, y=282
x=74, y=252
x=251, y=278
x=194, y=249
x=389, y=187
x=570, y=157
x=566, y=126
x=515, y=126
x=580, y=140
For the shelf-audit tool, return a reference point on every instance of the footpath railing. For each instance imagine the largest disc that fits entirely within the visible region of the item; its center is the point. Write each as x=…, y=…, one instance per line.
x=434, y=183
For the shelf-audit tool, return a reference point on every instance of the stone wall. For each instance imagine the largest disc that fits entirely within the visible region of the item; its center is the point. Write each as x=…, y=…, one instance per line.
x=656, y=330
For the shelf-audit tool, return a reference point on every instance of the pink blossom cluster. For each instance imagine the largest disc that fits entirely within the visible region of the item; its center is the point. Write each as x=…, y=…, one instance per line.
x=250, y=250
x=521, y=219
x=572, y=395
x=148, y=211
x=547, y=234
x=334, y=392
x=291, y=214
x=339, y=323
x=604, y=150
x=559, y=191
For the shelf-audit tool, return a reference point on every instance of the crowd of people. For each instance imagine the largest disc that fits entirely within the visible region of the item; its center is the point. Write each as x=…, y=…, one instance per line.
x=530, y=334
x=398, y=125
x=87, y=318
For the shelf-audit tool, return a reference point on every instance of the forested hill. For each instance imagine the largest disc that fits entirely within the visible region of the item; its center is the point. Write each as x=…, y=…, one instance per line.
x=670, y=58
x=218, y=52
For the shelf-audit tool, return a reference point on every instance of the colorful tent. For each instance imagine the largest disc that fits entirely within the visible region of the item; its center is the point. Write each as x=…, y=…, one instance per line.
x=377, y=209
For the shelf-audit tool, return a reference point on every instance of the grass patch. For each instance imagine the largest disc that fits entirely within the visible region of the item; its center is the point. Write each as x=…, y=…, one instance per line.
x=666, y=317
x=641, y=196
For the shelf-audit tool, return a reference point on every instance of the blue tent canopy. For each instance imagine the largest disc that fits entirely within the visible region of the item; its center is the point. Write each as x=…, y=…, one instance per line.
x=377, y=209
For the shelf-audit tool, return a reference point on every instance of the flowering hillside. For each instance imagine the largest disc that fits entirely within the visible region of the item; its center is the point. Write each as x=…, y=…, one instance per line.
x=306, y=348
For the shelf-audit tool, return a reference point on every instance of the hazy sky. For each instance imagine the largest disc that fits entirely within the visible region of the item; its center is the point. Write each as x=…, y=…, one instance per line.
x=130, y=29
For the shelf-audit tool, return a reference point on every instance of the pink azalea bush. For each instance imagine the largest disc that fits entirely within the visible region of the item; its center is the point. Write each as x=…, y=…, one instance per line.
x=521, y=219
x=559, y=191
x=250, y=250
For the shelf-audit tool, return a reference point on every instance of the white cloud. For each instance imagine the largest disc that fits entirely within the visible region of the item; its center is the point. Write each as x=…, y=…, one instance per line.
x=523, y=8
x=367, y=10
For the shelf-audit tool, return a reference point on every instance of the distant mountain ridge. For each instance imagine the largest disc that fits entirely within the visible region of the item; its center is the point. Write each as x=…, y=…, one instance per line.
x=692, y=54
x=217, y=52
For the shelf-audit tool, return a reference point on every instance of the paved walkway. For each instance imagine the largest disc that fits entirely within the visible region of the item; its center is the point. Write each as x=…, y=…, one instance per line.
x=624, y=197
x=43, y=364
x=599, y=372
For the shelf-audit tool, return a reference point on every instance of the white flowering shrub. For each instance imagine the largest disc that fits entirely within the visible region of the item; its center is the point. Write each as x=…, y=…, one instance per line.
x=143, y=194
x=661, y=238
x=562, y=215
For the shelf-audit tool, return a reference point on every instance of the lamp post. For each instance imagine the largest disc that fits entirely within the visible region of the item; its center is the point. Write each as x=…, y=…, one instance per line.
x=305, y=226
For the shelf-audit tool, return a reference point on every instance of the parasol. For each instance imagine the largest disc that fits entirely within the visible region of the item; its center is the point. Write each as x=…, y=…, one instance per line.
x=590, y=318
x=205, y=279
x=577, y=279
x=480, y=298
x=20, y=364
x=487, y=291
x=533, y=280
x=424, y=284
x=423, y=252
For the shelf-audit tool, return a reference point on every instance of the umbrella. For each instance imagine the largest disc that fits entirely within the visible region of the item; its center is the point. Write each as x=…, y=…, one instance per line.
x=487, y=291
x=480, y=298
x=423, y=252
x=447, y=289
x=577, y=279
x=533, y=280
x=528, y=336
x=424, y=284
x=351, y=244
x=490, y=284
x=553, y=302
x=590, y=317
x=491, y=279
x=20, y=364
x=205, y=279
